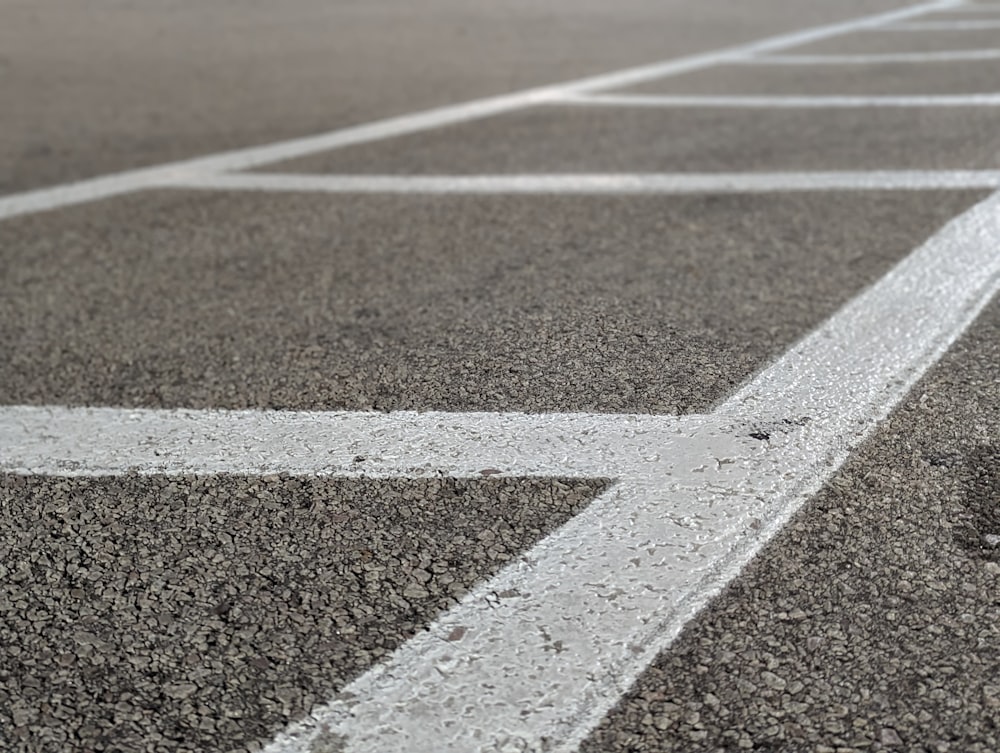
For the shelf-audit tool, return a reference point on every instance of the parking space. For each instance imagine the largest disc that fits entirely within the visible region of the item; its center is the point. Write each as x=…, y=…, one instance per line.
x=635, y=304
x=877, y=42
x=683, y=139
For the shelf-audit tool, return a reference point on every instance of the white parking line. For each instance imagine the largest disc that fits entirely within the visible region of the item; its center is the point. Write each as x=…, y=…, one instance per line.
x=979, y=24
x=874, y=58
x=536, y=656
x=608, y=183
x=779, y=102
x=56, y=441
x=242, y=159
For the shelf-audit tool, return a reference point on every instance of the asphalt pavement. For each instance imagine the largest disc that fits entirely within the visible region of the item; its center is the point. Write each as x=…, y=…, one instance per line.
x=157, y=611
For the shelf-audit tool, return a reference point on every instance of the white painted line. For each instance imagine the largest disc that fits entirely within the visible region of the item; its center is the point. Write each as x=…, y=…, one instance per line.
x=875, y=58
x=242, y=159
x=771, y=102
x=963, y=25
x=535, y=657
x=59, y=441
x=611, y=183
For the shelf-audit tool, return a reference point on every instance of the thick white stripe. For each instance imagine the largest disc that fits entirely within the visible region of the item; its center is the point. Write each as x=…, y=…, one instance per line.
x=875, y=58
x=778, y=102
x=60, y=441
x=241, y=159
x=611, y=183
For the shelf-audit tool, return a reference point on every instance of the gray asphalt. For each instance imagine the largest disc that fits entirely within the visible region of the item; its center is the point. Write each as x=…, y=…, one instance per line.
x=202, y=614
x=578, y=139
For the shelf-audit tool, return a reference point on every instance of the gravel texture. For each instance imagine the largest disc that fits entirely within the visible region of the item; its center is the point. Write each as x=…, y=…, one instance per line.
x=872, y=621
x=613, y=304
x=203, y=614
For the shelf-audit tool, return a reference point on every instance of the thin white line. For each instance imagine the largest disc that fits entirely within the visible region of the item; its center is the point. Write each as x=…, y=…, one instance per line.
x=869, y=59
x=241, y=159
x=611, y=183
x=963, y=25
x=781, y=102
x=545, y=648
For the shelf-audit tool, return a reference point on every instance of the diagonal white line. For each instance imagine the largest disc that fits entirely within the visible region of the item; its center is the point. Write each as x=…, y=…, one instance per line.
x=608, y=183
x=878, y=344
x=695, y=100
x=242, y=159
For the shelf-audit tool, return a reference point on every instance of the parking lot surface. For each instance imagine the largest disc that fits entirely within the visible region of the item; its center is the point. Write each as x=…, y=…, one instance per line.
x=533, y=377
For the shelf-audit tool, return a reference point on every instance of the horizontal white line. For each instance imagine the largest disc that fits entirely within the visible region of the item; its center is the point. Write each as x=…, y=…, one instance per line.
x=963, y=25
x=610, y=183
x=110, y=441
x=242, y=159
x=666, y=100
x=875, y=58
